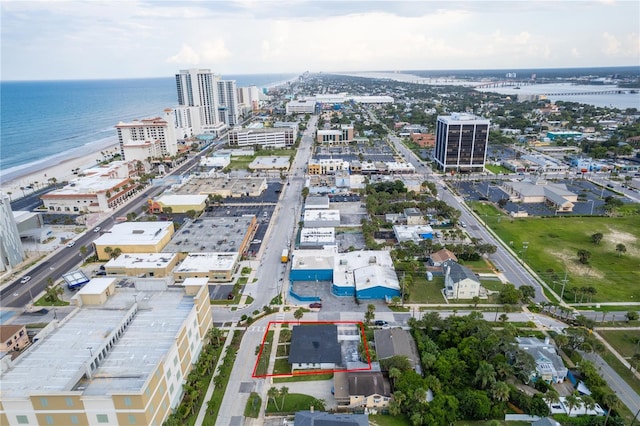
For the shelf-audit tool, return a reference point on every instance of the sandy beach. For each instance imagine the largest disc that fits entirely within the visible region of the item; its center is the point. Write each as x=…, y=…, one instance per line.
x=39, y=175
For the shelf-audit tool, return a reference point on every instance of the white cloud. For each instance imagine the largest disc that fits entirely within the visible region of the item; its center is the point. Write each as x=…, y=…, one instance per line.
x=208, y=52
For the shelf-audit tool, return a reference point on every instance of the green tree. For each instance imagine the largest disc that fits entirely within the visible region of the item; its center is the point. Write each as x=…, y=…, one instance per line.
x=584, y=256
x=273, y=394
x=551, y=396
x=621, y=249
x=284, y=391
x=485, y=375
x=597, y=237
x=631, y=316
x=509, y=294
x=53, y=293
x=500, y=391
x=370, y=314
x=572, y=401
x=611, y=401
x=298, y=314
x=527, y=293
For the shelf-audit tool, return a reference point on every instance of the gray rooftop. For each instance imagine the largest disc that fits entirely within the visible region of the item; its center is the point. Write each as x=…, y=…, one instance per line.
x=315, y=344
x=307, y=418
x=395, y=341
x=458, y=272
x=59, y=361
x=211, y=235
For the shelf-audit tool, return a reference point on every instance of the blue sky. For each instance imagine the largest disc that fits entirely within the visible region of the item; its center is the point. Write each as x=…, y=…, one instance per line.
x=43, y=40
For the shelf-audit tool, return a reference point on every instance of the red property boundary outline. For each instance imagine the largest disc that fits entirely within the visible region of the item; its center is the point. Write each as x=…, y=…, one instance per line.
x=312, y=372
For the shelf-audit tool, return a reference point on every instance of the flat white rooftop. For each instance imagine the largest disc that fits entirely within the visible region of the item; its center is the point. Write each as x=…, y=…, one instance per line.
x=314, y=259
x=141, y=260
x=204, y=262
x=134, y=233
x=355, y=267
x=318, y=236
x=59, y=361
x=181, y=199
x=87, y=185
x=96, y=286
x=322, y=215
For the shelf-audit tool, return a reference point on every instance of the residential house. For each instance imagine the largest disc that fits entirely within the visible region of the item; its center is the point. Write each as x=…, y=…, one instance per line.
x=315, y=347
x=362, y=389
x=396, y=341
x=549, y=365
x=13, y=338
x=459, y=281
x=441, y=256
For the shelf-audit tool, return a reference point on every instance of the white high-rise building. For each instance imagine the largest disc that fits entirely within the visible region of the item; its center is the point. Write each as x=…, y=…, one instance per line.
x=11, y=251
x=148, y=138
x=228, y=97
x=198, y=88
x=249, y=96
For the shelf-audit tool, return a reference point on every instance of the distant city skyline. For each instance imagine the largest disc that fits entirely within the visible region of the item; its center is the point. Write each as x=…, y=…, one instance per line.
x=137, y=39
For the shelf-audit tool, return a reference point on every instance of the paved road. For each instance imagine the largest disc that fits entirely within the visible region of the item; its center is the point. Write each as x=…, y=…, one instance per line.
x=511, y=267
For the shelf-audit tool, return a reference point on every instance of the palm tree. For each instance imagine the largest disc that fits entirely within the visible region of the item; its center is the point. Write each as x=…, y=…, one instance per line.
x=572, y=401
x=500, y=391
x=485, y=375
x=612, y=402
x=284, y=391
x=551, y=396
x=272, y=394
x=588, y=402
x=298, y=314
x=214, y=333
x=394, y=374
x=9, y=194
x=108, y=250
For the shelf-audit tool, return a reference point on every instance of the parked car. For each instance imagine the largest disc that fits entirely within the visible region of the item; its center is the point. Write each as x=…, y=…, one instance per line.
x=230, y=296
x=380, y=323
x=71, y=244
x=96, y=229
x=316, y=305
x=25, y=279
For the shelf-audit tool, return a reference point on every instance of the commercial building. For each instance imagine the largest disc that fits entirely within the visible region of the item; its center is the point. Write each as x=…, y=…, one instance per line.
x=301, y=107
x=228, y=102
x=270, y=163
x=541, y=191
x=121, y=357
x=214, y=267
x=415, y=233
x=341, y=136
x=11, y=250
x=214, y=235
x=13, y=338
x=327, y=166
x=321, y=218
x=365, y=275
x=223, y=186
x=134, y=237
x=198, y=88
x=317, y=237
x=156, y=265
x=141, y=140
x=178, y=203
x=100, y=189
x=461, y=142
x=271, y=137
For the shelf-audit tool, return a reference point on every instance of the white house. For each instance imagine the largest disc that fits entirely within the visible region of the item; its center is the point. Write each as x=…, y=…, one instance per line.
x=459, y=282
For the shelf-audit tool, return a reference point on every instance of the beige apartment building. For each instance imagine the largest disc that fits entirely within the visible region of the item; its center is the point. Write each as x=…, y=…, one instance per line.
x=120, y=358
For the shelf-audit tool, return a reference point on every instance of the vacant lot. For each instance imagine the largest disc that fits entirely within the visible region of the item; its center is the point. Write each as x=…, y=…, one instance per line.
x=552, y=246
x=625, y=342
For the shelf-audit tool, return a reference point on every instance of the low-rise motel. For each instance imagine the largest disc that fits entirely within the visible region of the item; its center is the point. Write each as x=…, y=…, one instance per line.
x=120, y=357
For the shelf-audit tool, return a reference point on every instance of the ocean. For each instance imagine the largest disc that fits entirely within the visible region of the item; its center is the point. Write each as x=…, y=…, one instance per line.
x=46, y=122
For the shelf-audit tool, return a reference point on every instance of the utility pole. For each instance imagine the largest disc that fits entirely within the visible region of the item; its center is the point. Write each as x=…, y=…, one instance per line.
x=564, y=283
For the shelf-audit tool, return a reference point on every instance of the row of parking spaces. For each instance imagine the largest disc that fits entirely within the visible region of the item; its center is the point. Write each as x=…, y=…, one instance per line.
x=337, y=198
x=261, y=212
x=221, y=291
x=486, y=191
x=270, y=195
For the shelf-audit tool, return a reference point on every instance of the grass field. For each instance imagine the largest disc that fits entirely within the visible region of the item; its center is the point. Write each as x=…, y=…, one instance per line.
x=423, y=291
x=553, y=243
x=625, y=342
x=497, y=169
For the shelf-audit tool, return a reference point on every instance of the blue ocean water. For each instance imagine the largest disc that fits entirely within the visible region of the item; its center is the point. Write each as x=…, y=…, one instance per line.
x=45, y=121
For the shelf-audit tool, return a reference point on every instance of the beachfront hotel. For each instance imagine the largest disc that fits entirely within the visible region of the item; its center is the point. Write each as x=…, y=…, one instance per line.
x=461, y=142
x=102, y=188
x=121, y=357
x=228, y=98
x=266, y=136
x=198, y=88
x=141, y=140
x=11, y=251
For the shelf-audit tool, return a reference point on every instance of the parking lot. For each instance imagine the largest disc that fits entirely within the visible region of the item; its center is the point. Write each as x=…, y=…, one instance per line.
x=270, y=195
x=589, y=196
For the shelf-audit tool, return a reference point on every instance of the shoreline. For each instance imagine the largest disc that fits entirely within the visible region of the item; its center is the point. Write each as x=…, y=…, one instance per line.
x=38, y=174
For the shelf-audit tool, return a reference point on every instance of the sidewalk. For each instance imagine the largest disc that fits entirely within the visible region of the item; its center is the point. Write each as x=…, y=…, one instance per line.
x=207, y=396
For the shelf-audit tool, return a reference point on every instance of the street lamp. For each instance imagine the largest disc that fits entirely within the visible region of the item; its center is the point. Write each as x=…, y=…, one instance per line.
x=525, y=246
x=592, y=204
